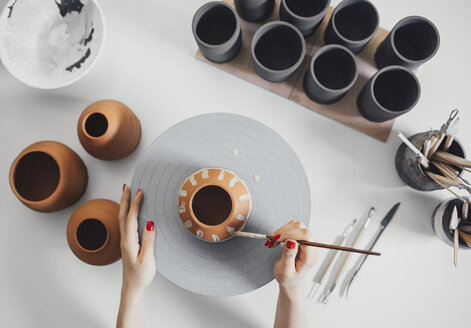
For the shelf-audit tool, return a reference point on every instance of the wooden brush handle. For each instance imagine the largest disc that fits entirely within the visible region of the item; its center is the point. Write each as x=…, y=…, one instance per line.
x=340, y=248
x=451, y=159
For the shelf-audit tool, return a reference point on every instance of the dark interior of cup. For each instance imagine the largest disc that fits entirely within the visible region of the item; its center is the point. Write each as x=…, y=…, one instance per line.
x=335, y=69
x=356, y=21
x=396, y=90
x=36, y=176
x=216, y=25
x=279, y=48
x=96, y=125
x=211, y=205
x=416, y=40
x=91, y=234
x=447, y=218
x=306, y=8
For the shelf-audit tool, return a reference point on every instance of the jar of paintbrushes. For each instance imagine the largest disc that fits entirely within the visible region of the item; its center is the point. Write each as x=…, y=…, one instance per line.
x=434, y=159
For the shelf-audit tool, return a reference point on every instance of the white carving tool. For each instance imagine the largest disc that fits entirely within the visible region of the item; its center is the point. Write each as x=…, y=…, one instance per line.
x=317, y=281
x=454, y=222
x=420, y=157
x=342, y=259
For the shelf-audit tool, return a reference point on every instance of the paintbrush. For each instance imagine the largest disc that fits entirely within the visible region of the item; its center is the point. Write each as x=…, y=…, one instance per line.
x=451, y=159
x=305, y=243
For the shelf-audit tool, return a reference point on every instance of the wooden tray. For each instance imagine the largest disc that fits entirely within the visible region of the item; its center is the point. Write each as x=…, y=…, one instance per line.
x=345, y=110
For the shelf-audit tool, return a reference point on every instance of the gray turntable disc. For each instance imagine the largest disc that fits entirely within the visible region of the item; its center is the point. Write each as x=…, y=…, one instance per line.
x=273, y=174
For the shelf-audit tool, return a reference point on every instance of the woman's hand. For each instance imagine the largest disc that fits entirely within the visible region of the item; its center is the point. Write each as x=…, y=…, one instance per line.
x=138, y=260
x=290, y=270
x=296, y=260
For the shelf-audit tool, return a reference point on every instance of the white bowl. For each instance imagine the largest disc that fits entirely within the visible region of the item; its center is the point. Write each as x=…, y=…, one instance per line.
x=49, y=44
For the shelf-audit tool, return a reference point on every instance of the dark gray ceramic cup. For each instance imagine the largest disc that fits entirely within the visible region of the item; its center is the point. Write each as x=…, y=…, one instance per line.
x=411, y=42
x=391, y=92
x=306, y=15
x=353, y=24
x=278, y=49
x=409, y=169
x=331, y=73
x=217, y=32
x=441, y=222
x=254, y=10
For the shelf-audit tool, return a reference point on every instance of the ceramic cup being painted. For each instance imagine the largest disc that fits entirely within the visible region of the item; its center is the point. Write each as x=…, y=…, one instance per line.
x=441, y=223
x=49, y=44
x=306, y=15
x=48, y=176
x=352, y=24
x=391, y=92
x=254, y=10
x=278, y=49
x=409, y=169
x=213, y=203
x=331, y=73
x=217, y=32
x=412, y=41
x=109, y=130
x=93, y=232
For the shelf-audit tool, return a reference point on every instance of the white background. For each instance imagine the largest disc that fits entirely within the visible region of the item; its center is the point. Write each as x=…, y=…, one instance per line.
x=148, y=63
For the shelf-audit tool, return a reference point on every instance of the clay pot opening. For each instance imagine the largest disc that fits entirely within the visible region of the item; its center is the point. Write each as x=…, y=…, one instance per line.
x=36, y=176
x=217, y=25
x=211, y=205
x=417, y=40
x=279, y=48
x=396, y=90
x=356, y=21
x=92, y=235
x=335, y=69
x=306, y=8
x=96, y=125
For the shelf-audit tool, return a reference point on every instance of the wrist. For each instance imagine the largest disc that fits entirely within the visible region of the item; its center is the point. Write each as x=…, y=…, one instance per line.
x=292, y=291
x=130, y=294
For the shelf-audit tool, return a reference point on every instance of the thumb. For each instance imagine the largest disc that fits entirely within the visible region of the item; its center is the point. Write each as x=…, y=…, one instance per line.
x=148, y=239
x=288, y=257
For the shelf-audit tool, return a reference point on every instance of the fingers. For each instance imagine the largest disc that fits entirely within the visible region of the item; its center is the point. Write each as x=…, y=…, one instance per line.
x=287, y=261
x=148, y=240
x=131, y=221
x=123, y=208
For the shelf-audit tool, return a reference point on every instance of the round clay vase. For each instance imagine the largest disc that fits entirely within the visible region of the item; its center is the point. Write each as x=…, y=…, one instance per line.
x=93, y=232
x=213, y=203
x=48, y=176
x=109, y=130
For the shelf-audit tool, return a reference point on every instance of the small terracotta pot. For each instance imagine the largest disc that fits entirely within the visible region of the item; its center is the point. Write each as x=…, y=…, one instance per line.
x=93, y=232
x=213, y=203
x=48, y=176
x=109, y=130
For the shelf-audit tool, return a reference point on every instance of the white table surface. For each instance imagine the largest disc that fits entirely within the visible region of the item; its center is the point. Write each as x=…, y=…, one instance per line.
x=148, y=63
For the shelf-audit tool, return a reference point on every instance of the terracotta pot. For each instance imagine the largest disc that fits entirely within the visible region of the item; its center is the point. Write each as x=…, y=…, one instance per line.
x=48, y=176
x=213, y=203
x=109, y=130
x=93, y=232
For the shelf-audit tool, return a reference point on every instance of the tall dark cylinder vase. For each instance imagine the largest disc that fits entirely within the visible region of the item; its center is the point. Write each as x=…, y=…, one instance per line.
x=331, y=73
x=391, y=92
x=254, y=10
x=278, y=49
x=412, y=41
x=217, y=31
x=306, y=15
x=353, y=24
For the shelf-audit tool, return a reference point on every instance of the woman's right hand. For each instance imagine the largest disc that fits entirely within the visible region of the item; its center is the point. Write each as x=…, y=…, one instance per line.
x=296, y=260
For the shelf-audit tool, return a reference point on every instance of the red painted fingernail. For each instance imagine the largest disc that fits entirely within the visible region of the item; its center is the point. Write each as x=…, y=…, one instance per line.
x=150, y=226
x=266, y=243
x=124, y=186
x=271, y=244
x=290, y=245
x=140, y=190
x=276, y=237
